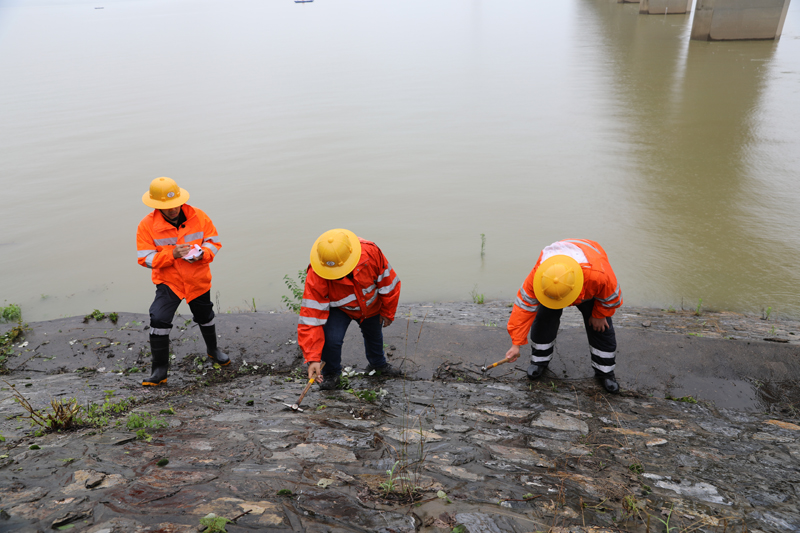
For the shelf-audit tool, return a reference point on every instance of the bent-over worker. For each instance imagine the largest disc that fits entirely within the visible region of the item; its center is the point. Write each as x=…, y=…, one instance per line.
x=177, y=241
x=569, y=272
x=348, y=279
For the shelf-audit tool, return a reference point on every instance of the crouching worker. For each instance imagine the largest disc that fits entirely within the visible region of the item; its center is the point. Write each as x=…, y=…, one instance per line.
x=177, y=241
x=348, y=279
x=569, y=272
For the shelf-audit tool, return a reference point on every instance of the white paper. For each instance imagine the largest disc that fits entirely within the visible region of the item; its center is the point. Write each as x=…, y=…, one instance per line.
x=194, y=253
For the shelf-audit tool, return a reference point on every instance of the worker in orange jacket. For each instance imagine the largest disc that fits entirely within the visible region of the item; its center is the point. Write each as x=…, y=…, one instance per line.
x=569, y=272
x=348, y=279
x=177, y=241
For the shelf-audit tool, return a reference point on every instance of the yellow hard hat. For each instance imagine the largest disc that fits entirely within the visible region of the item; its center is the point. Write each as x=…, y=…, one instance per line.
x=335, y=253
x=164, y=193
x=558, y=281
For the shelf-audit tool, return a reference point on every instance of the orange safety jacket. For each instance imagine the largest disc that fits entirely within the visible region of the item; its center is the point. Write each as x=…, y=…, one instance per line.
x=372, y=288
x=599, y=282
x=155, y=240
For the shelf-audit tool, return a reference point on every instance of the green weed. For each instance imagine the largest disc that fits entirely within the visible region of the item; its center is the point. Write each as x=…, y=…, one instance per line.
x=477, y=298
x=214, y=523
x=143, y=435
x=483, y=245
x=99, y=415
x=368, y=395
x=284, y=492
x=144, y=420
x=7, y=341
x=685, y=399
x=63, y=413
x=636, y=468
x=96, y=315
x=391, y=479
x=667, y=529
x=10, y=313
x=699, y=305
x=767, y=313
x=296, y=288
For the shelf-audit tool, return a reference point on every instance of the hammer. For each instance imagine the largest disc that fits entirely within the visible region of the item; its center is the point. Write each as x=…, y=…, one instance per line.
x=484, y=368
x=296, y=406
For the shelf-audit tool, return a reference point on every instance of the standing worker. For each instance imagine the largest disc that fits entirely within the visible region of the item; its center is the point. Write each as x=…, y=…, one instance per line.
x=348, y=279
x=177, y=241
x=569, y=272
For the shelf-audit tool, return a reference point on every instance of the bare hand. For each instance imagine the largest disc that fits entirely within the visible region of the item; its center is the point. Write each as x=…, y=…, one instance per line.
x=313, y=370
x=180, y=250
x=598, y=324
x=386, y=322
x=513, y=353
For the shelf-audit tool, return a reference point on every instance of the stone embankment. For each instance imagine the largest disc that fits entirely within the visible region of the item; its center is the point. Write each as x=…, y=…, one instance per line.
x=447, y=449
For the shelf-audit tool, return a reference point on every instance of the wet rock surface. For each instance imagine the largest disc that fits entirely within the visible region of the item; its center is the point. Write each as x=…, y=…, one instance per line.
x=507, y=455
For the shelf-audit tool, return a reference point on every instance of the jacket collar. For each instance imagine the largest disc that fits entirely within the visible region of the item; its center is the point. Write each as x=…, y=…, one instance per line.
x=160, y=224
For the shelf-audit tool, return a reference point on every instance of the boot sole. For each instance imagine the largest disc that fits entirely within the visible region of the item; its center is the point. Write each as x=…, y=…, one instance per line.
x=220, y=364
x=151, y=384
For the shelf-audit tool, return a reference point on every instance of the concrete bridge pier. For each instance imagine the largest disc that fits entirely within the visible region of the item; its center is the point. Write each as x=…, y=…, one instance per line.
x=665, y=7
x=738, y=20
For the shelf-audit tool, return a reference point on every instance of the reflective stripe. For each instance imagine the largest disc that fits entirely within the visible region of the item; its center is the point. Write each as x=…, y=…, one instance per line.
x=528, y=299
x=212, y=239
x=583, y=243
x=149, y=259
x=159, y=331
x=602, y=355
x=193, y=236
x=166, y=242
x=356, y=308
x=213, y=321
x=519, y=303
x=343, y=301
x=390, y=288
x=545, y=359
x=603, y=368
x=313, y=304
x=612, y=305
x=615, y=295
x=211, y=247
x=310, y=321
x=368, y=289
x=145, y=253
x=543, y=347
x=384, y=274
x=369, y=302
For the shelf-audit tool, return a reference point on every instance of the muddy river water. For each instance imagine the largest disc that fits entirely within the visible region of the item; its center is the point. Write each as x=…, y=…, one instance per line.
x=420, y=125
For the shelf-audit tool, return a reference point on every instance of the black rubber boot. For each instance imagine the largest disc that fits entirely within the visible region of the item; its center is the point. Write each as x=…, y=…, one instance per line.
x=210, y=336
x=159, y=347
x=330, y=382
x=608, y=381
x=387, y=371
x=536, y=370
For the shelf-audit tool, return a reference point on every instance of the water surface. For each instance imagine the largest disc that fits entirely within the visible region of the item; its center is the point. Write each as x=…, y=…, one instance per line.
x=419, y=125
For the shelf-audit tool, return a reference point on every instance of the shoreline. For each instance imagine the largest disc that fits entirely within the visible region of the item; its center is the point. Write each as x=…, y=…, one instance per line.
x=711, y=324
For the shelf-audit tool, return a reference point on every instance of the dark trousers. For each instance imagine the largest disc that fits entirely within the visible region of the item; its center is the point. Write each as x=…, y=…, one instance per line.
x=162, y=311
x=602, y=344
x=336, y=327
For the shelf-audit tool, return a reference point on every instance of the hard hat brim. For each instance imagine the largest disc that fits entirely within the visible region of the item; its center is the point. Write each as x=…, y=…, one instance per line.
x=336, y=272
x=169, y=204
x=570, y=298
